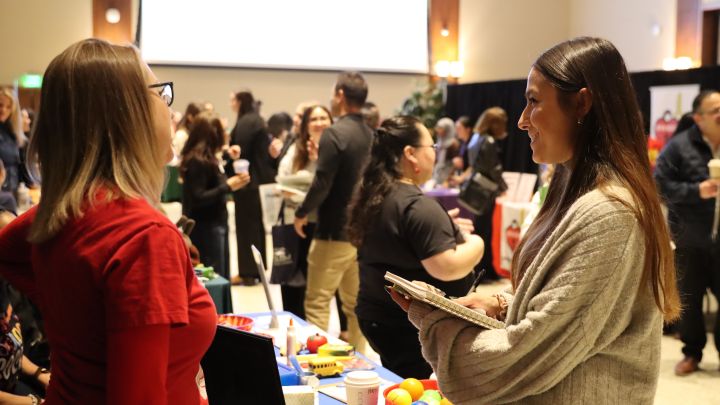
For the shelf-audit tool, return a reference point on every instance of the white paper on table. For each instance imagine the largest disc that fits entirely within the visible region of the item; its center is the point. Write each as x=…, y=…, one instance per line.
x=338, y=392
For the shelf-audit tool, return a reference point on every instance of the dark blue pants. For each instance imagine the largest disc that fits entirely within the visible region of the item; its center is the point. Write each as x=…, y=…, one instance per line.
x=211, y=239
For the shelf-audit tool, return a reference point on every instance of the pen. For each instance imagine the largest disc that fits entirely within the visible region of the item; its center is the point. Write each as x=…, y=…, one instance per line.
x=475, y=282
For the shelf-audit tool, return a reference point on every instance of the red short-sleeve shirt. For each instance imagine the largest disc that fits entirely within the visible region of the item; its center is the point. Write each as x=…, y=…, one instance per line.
x=121, y=265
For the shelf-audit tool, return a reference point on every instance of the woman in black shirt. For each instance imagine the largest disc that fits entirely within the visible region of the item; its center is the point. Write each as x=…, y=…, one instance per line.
x=205, y=187
x=398, y=229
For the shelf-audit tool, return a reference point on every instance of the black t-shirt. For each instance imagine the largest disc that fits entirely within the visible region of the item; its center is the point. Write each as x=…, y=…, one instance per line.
x=410, y=228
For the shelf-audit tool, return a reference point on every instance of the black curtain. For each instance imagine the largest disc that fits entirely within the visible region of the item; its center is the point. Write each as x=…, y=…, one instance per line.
x=473, y=99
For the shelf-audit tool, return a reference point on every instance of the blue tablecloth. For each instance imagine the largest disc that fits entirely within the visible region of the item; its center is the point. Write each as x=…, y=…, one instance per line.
x=324, y=399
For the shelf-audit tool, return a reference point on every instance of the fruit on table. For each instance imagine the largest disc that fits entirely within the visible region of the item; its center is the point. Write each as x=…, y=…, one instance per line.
x=432, y=397
x=315, y=341
x=399, y=396
x=414, y=387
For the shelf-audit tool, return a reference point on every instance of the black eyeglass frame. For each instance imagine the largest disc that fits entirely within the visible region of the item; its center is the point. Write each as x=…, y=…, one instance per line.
x=162, y=91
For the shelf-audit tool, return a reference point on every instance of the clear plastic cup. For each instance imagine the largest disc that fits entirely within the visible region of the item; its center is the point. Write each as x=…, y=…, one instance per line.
x=362, y=387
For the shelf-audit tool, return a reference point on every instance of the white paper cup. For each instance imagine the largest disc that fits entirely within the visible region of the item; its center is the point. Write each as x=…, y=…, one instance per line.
x=714, y=166
x=362, y=387
x=241, y=166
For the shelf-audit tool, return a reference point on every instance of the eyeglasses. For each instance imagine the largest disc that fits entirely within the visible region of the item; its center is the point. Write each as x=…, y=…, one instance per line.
x=166, y=91
x=714, y=111
x=435, y=146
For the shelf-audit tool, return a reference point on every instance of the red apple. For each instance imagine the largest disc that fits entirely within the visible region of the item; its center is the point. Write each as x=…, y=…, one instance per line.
x=315, y=341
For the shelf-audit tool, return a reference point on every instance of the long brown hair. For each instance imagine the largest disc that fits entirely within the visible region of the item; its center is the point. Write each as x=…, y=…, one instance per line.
x=94, y=130
x=302, y=157
x=610, y=144
x=205, y=140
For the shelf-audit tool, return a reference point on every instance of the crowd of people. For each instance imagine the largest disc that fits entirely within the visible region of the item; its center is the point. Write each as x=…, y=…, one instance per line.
x=593, y=278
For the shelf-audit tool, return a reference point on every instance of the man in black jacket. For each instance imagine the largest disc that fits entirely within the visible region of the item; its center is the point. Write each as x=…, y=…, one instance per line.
x=332, y=262
x=683, y=177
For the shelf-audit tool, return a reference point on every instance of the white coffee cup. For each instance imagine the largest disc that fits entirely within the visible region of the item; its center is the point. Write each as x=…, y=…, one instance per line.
x=241, y=166
x=362, y=387
x=714, y=166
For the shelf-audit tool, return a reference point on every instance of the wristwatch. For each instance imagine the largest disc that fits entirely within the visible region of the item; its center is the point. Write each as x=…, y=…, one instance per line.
x=40, y=370
x=34, y=398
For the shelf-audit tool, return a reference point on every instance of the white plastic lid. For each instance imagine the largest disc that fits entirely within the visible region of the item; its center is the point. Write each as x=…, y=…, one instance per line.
x=362, y=378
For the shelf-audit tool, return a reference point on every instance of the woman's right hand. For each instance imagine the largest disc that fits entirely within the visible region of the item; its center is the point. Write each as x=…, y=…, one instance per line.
x=487, y=303
x=312, y=149
x=238, y=181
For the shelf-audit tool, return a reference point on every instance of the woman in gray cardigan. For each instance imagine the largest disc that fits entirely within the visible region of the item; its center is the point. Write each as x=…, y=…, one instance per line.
x=593, y=277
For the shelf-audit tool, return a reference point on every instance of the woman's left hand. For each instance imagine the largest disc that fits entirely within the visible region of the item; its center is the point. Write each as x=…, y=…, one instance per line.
x=465, y=225
x=400, y=299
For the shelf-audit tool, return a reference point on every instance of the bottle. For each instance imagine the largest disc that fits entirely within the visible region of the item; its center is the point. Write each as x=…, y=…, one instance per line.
x=290, y=343
x=23, y=197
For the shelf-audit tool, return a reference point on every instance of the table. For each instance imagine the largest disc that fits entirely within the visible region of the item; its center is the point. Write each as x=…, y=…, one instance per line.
x=219, y=289
x=324, y=399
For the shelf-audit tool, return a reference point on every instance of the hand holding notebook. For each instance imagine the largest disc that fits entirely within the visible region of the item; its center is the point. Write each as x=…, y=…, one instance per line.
x=435, y=297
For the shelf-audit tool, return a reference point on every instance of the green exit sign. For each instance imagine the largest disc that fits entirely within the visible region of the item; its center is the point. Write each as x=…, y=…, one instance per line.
x=30, y=81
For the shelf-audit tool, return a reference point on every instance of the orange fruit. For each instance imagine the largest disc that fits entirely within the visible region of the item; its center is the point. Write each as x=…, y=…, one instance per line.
x=445, y=401
x=414, y=387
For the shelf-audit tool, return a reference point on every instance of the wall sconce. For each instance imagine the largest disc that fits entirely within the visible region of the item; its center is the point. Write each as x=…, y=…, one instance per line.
x=446, y=68
x=442, y=68
x=679, y=63
x=112, y=15
x=444, y=31
x=457, y=68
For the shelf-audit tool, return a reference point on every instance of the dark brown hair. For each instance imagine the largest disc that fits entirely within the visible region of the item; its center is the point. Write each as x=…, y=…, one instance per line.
x=354, y=88
x=205, y=140
x=381, y=172
x=301, y=152
x=610, y=144
x=247, y=102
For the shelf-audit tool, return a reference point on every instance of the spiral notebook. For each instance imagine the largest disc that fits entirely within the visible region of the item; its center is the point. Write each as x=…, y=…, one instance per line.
x=435, y=297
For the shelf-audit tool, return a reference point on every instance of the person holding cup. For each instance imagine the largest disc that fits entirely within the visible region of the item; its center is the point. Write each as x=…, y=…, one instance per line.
x=205, y=189
x=690, y=190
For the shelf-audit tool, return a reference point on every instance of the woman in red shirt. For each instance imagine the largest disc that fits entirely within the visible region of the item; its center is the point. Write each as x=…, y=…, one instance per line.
x=126, y=318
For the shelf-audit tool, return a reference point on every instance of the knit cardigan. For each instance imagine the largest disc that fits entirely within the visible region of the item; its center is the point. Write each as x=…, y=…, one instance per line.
x=579, y=329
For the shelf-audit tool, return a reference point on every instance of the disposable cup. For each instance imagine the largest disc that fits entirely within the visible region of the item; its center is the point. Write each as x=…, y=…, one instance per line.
x=241, y=166
x=714, y=166
x=362, y=387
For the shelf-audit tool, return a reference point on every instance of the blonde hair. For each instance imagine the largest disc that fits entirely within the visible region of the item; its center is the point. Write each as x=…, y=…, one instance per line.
x=493, y=122
x=14, y=119
x=94, y=131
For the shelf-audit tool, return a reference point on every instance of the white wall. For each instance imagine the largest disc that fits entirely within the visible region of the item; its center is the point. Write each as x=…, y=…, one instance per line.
x=35, y=31
x=278, y=90
x=628, y=24
x=499, y=39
